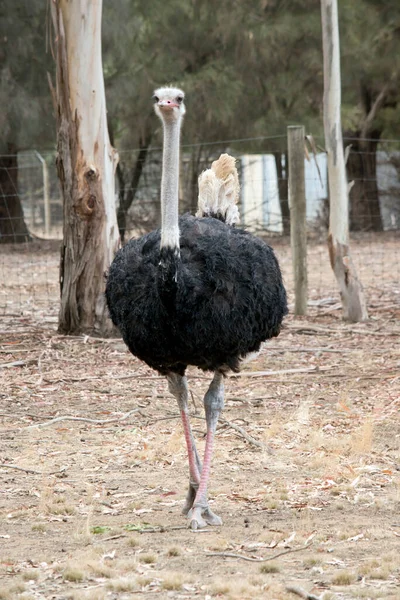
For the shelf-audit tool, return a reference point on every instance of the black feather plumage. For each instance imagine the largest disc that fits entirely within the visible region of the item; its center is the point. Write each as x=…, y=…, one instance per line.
x=209, y=306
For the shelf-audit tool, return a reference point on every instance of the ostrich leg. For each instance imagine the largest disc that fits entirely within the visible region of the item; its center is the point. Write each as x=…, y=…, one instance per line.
x=201, y=515
x=177, y=385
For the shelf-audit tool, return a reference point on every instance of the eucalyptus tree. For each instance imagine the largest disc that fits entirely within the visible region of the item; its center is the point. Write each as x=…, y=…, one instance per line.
x=86, y=163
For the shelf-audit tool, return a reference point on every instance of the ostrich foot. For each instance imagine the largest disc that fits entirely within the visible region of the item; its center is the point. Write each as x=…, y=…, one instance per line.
x=201, y=516
x=191, y=495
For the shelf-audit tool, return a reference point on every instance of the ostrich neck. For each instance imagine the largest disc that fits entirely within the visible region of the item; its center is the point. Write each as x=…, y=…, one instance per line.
x=170, y=186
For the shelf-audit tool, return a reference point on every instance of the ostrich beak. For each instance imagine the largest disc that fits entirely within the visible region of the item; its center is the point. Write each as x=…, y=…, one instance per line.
x=168, y=104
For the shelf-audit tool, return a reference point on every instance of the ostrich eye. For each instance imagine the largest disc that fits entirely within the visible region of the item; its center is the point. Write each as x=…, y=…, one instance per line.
x=155, y=99
x=179, y=99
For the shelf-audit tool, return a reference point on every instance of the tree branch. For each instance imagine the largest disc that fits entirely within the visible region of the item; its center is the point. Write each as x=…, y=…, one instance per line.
x=369, y=119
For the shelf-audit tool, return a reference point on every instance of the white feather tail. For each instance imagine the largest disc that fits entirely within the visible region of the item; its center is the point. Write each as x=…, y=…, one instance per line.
x=219, y=191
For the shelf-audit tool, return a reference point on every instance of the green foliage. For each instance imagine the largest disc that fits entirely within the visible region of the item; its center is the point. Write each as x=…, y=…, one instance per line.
x=99, y=529
x=370, y=49
x=248, y=68
x=26, y=116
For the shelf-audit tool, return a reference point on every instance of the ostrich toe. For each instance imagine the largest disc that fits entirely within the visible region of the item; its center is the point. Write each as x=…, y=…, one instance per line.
x=201, y=516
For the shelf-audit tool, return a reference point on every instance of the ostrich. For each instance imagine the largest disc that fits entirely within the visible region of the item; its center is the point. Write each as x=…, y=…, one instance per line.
x=198, y=291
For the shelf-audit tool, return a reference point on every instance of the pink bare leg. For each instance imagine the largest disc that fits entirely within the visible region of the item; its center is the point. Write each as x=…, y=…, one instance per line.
x=178, y=387
x=194, y=462
x=201, y=515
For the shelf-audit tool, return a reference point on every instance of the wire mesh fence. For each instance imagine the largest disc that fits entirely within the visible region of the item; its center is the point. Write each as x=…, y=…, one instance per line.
x=31, y=214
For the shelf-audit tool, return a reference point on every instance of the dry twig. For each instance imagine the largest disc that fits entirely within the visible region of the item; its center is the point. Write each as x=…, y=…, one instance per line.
x=281, y=372
x=31, y=471
x=17, y=363
x=113, y=537
x=309, y=349
x=159, y=529
x=251, y=559
x=246, y=436
x=7, y=466
x=305, y=328
x=84, y=419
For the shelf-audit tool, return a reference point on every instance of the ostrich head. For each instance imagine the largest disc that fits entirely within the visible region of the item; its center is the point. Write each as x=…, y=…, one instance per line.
x=168, y=103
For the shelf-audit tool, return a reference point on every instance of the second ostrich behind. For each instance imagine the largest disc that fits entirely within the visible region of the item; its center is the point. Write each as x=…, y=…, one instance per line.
x=198, y=291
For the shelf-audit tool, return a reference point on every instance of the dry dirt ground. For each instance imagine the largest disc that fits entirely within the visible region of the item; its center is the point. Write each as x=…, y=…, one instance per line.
x=306, y=474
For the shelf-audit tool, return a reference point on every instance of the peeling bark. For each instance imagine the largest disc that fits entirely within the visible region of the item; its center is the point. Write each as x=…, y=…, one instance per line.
x=86, y=164
x=343, y=267
x=351, y=290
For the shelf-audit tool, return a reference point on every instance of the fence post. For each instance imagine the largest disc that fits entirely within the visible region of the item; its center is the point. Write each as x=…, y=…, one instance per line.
x=297, y=205
x=46, y=193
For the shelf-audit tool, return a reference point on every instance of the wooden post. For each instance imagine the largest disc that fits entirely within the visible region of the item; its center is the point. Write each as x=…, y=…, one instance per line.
x=351, y=290
x=297, y=206
x=46, y=193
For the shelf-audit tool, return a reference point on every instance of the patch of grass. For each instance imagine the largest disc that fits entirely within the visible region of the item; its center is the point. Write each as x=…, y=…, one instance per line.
x=10, y=592
x=143, y=581
x=100, y=569
x=381, y=573
x=218, y=544
x=346, y=534
x=96, y=594
x=39, y=527
x=173, y=551
x=126, y=566
x=368, y=593
x=133, y=541
x=369, y=566
x=268, y=536
x=219, y=586
x=343, y=578
x=137, y=505
x=256, y=580
x=123, y=584
x=362, y=438
x=271, y=504
x=58, y=508
x=148, y=559
x=30, y=575
x=172, y=581
x=270, y=567
x=312, y=561
x=73, y=574
x=391, y=557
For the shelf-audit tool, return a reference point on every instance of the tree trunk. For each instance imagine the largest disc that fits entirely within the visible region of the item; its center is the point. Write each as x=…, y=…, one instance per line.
x=365, y=212
x=86, y=164
x=351, y=291
x=13, y=229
